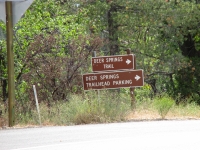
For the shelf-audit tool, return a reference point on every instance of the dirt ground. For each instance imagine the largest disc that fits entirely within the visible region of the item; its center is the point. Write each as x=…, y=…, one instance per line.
x=145, y=115
x=138, y=115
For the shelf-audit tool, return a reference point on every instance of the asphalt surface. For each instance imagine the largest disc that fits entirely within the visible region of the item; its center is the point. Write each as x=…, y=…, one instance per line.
x=150, y=135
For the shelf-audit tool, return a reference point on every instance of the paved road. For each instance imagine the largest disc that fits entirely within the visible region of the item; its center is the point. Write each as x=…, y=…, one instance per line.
x=152, y=135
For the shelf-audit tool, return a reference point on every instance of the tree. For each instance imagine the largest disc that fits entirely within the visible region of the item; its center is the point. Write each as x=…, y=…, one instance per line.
x=51, y=50
x=163, y=34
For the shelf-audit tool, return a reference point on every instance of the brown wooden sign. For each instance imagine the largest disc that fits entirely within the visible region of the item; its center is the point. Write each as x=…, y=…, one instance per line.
x=117, y=62
x=110, y=80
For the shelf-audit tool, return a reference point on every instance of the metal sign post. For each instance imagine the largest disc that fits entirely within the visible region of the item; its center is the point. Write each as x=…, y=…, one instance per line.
x=10, y=12
x=10, y=57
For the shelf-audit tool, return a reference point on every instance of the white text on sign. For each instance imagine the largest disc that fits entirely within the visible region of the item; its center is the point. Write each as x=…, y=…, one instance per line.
x=114, y=76
x=108, y=60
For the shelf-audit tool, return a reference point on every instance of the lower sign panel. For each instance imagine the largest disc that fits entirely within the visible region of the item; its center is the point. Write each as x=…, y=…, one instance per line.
x=110, y=80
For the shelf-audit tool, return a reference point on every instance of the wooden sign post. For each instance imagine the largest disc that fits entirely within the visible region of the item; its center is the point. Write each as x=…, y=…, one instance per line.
x=113, y=72
x=132, y=89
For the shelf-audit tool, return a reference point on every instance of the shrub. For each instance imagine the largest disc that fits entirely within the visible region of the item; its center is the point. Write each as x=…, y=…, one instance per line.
x=163, y=105
x=186, y=82
x=93, y=108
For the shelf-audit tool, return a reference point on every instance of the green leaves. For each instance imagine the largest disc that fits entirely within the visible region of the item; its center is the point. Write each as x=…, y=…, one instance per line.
x=155, y=31
x=163, y=105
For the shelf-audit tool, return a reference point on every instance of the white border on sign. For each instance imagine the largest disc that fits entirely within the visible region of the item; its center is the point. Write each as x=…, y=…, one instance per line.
x=133, y=57
x=114, y=72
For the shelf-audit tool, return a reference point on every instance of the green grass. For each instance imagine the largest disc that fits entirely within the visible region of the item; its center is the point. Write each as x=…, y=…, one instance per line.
x=188, y=111
x=163, y=104
x=89, y=108
x=164, y=107
x=103, y=107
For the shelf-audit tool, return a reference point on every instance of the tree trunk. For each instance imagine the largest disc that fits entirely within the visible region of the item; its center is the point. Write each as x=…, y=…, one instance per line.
x=112, y=29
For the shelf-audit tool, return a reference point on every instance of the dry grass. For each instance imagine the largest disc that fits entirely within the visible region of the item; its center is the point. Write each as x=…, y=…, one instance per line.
x=190, y=111
x=153, y=115
x=142, y=115
x=3, y=122
x=81, y=111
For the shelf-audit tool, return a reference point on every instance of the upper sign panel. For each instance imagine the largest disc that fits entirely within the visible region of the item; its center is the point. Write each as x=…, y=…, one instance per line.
x=19, y=8
x=116, y=62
